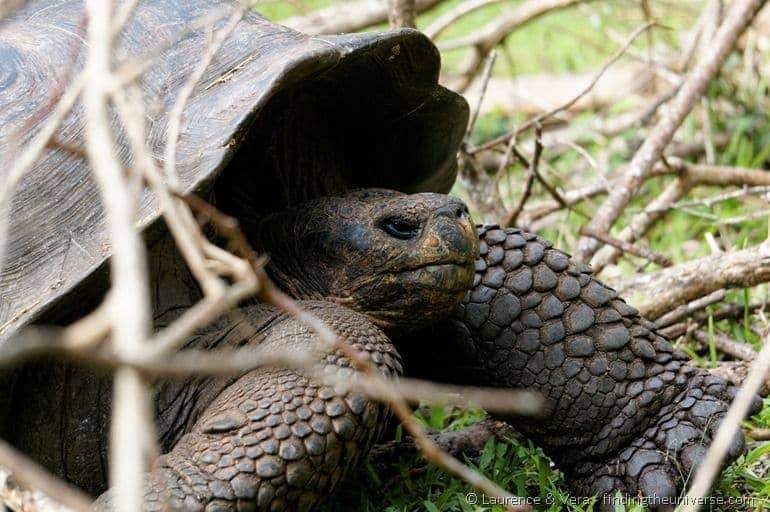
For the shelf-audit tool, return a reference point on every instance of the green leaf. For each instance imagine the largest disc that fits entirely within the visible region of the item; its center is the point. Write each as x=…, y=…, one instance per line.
x=430, y=507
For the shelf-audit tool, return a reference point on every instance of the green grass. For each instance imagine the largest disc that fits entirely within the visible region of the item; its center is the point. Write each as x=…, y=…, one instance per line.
x=524, y=470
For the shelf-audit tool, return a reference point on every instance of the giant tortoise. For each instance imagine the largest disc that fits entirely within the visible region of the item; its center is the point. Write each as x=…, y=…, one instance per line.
x=277, y=133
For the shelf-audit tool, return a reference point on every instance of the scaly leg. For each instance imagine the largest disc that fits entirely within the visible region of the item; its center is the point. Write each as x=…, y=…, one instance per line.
x=624, y=411
x=277, y=439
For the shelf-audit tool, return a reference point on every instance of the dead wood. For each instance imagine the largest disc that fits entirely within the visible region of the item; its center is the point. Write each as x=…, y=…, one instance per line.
x=738, y=18
x=401, y=13
x=349, y=17
x=736, y=372
x=489, y=36
x=467, y=442
x=666, y=289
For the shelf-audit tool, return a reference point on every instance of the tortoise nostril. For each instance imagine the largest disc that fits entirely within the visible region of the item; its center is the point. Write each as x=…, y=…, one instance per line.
x=453, y=208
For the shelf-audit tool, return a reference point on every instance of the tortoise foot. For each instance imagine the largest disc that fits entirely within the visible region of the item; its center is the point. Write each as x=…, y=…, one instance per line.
x=657, y=465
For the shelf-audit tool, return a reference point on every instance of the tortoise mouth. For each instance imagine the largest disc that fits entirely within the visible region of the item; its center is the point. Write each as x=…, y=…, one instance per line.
x=448, y=276
x=457, y=263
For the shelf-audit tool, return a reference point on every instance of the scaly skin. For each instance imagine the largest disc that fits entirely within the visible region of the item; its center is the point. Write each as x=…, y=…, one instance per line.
x=277, y=439
x=624, y=411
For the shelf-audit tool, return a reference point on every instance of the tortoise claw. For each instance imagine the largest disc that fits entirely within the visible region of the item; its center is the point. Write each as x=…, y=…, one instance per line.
x=658, y=464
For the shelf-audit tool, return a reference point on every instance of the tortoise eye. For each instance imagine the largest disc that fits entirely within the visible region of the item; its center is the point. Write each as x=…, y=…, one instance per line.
x=401, y=228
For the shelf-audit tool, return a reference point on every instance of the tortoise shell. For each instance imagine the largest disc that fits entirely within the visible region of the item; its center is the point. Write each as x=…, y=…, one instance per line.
x=277, y=117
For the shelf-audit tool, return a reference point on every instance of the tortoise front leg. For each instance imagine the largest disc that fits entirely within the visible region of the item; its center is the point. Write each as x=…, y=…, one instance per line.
x=277, y=439
x=624, y=411
x=274, y=440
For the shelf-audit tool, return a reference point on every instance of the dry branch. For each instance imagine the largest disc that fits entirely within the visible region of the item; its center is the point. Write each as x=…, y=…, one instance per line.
x=533, y=94
x=401, y=13
x=349, y=17
x=389, y=395
x=740, y=15
x=466, y=442
x=689, y=176
x=489, y=36
x=462, y=9
x=32, y=151
x=730, y=347
x=666, y=289
x=532, y=172
x=760, y=434
x=541, y=118
x=642, y=252
x=132, y=428
x=686, y=310
x=41, y=491
x=493, y=400
x=736, y=372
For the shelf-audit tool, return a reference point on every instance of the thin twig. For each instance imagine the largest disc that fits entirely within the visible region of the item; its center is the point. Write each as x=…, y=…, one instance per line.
x=348, y=17
x=132, y=426
x=759, y=434
x=741, y=13
x=494, y=400
x=462, y=9
x=513, y=214
x=730, y=347
x=642, y=252
x=32, y=151
x=484, y=83
x=401, y=13
x=29, y=473
x=492, y=34
x=684, y=282
x=539, y=119
x=688, y=309
x=398, y=405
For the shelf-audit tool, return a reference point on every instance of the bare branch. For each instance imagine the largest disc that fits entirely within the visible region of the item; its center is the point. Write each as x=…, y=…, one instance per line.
x=690, y=175
x=513, y=214
x=686, y=310
x=724, y=344
x=401, y=13
x=32, y=151
x=462, y=9
x=489, y=36
x=760, y=434
x=741, y=13
x=348, y=17
x=36, y=478
x=685, y=282
x=642, y=252
x=390, y=395
x=736, y=373
x=561, y=108
x=132, y=426
x=484, y=83
x=494, y=400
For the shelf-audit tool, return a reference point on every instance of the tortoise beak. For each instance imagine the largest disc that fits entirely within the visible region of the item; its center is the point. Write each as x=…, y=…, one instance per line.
x=450, y=235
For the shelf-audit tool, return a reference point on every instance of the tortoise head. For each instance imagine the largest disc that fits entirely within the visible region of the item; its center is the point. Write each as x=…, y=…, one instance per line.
x=403, y=260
